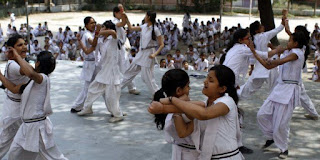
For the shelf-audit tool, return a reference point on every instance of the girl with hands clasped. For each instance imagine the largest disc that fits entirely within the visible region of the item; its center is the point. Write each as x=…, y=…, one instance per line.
x=34, y=137
x=275, y=114
x=219, y=125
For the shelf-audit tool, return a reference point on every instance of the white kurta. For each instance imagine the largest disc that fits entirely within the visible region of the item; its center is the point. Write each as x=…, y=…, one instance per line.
x=275, y=114
x=219, y=135
x=237, y=59
x=89, y=59
x=171, y=135
x=10, y=119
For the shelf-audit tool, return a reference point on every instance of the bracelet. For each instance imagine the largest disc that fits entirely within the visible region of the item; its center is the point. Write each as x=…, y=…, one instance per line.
x=170, y=99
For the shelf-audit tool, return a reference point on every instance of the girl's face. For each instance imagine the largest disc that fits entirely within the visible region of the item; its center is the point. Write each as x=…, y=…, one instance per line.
x=261, y=28
x=183, y=91
x=245, y=40
x=146, y=18
x=291, y=44
x=211, y=86
x=21, y=48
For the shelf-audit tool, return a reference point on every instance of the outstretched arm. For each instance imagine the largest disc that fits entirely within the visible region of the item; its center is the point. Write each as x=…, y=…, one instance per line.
x=131, y=27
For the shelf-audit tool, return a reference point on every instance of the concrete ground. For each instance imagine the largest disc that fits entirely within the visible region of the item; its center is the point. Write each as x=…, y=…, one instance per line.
x=136, y=138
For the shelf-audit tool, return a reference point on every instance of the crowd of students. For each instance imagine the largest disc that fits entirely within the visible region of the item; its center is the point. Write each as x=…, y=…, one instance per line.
x=196, y=129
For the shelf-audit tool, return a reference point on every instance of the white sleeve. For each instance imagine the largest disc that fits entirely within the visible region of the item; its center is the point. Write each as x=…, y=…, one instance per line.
x=270, y=34
x=228, y=101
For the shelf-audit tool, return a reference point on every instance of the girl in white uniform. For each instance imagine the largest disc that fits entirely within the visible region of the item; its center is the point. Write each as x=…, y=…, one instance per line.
x=219, y=126
x=34, y=136
x=275, y=114
x=121, y=35
x=10, y=119
x=260, y=74
x=107, y=81
x=238, y=54
x=145, y=59
x=89, y=64
x=178, y=127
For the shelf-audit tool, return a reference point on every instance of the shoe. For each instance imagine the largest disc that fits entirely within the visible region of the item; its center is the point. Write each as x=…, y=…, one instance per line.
x=85, y=111
x=134, y=91
x=284, y=155
x=245, y=150
x=74, y=110
x=308, y=116
x=124, y=114
x=115, y=119
x=268, y=143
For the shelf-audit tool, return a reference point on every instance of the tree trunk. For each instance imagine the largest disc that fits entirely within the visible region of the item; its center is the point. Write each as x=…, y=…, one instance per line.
x=266, y=17
x=315, y=7
x=231, y=6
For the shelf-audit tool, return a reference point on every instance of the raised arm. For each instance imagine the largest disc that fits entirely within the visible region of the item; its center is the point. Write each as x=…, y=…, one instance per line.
x=25, y=67
x=107, y=33
x=131, y=28
x=183, y=129
x=93, y=46
x=123, y=21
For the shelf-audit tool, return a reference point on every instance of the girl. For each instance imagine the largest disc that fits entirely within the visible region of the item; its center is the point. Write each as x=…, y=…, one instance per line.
x=219, y=128
x=145, y=59
x=11, y=120
x=107, y=81
x=34, y=136
x=238, y=53
x=178, y=127
x=260, y=74
x=275, y=114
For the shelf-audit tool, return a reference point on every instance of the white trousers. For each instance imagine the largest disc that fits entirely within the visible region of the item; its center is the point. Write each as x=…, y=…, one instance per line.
x=7, y=136
x=180, y=153
x=306, y=102
x=147, y=76
x=18, y=153
x=78, y=103
x=274, y=121
x=110, y=93
x=124, y=65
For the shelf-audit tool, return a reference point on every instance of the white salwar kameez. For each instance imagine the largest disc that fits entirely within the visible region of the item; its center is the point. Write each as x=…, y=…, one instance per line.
x=260, y=74
x=142, y=62
x=220, y=135
x=275, y=114
x=88, y=71
x=179, y=152
x=35, y=138
x=10, y=118
x=107, y=81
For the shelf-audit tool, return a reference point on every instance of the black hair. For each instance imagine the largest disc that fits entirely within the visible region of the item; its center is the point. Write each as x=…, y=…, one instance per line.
x=86, y=20
x=169, y=55
x=304, y=30
x=108, y=24
x=178, y=50
x=115, y=10
x=226, y=78
x=13, y=40
x=239, y=34
x=254, y=27
x=300, y=38
x=190, y=45
x=152, y=16
x=47, y=62
x=171, y=80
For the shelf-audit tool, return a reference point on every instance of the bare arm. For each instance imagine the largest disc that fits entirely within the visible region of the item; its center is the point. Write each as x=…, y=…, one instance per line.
x=123, y=21
x=9, y=85
x=84, y=48
x=25, y=67
x=183, y=129
x=107, y=33
x=161, y=46
x=131, y=28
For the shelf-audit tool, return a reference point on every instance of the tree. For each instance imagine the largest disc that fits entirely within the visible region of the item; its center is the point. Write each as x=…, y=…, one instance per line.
x=267, y=18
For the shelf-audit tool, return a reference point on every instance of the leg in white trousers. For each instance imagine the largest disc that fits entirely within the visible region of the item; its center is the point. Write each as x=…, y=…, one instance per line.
x=7, y=136
x=147, y=76
x=18, y=153
x=274, y=121
x=111, y=95
x=78, y=104
x=306, y=102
